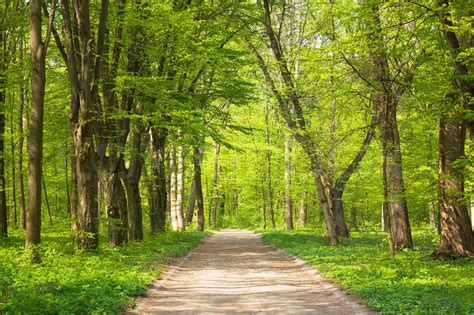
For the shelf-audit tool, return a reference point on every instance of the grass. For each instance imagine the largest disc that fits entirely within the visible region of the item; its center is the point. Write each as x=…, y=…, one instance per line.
x=408, y=283
x=82, y=282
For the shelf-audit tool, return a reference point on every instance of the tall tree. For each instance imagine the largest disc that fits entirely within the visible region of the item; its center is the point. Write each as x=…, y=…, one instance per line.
x=35, y=144
x=456, y=236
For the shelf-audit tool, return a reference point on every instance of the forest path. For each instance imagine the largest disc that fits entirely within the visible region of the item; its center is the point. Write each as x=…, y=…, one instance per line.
x=233, y=271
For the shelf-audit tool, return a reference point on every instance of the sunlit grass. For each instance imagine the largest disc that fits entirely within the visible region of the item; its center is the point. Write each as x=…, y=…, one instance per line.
x=81, y=282
x=408, y=283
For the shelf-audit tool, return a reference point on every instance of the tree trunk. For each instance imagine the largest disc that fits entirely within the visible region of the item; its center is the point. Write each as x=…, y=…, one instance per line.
x=134, y=174
x=302, y=211
x=173, y=189
x=268, y=157
x=386, y=101
x=456, y=237
x=215, y=190
x=13, y=169
x=21, y=186
x=197, y=160
x=158, y=175
x=191, y=204
x=116, y=202
x=180, y=189
x=35, y=144
x=288, y=199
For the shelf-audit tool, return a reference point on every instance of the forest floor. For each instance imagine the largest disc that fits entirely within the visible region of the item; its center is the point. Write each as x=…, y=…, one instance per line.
x=234, y=271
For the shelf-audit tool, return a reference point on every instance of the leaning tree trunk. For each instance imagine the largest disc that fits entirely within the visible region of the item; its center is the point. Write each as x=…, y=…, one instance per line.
x=288, y=199
x=456, y=236
x=158, y=177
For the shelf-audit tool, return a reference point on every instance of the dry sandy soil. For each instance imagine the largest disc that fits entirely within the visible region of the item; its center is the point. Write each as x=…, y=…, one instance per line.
x=235, y=272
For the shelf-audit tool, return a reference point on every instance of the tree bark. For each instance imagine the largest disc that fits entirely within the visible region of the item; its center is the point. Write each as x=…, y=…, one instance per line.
x=35, y=144
x=385, y=100
x=173, y=189
x=21, y=186
x=288, y=198
x=215, y=189
x=191, y=204
x=115, y=201
x=158, y=175
x=180, y=189
x=302, y=211
x=133, y=180
x=197, y=160
x=13, y=169
x=268, y=157
x=456, y=237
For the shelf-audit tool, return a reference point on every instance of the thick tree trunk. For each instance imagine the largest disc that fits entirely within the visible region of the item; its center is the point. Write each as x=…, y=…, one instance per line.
x=197, y=160
x=288, y=198
x=35, y=144
x=173, y=189
x=386, y=101
x=116, y=202
x=180, y=189
x=134, y=174
x=215, y=190
x=158, y=175
x=393, y=178
x=456, y=237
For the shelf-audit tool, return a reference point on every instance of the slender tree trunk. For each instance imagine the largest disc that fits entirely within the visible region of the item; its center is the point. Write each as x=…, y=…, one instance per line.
x=197, y=160
x=288, y=199
x=173, y=189
x=47, y=201
x=268, y=157
x=302, y=211
x=180, y=189
x=12, y=146
x=191, y=204
x=35, y=144
x=456, y=237
x=21, y=186
x=158, y=175
x=215, y=190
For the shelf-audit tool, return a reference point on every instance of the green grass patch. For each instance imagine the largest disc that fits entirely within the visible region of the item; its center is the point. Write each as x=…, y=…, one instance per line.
x=408, y=283
x=82, y=282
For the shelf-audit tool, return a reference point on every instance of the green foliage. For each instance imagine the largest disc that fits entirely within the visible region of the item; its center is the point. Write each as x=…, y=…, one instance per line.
x=408, y=283
x=82, y=282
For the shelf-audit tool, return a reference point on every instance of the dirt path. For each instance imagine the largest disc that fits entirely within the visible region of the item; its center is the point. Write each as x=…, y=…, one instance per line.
x=235, y=272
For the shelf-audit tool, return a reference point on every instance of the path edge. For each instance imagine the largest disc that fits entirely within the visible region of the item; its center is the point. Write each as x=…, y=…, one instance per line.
x=358, y=305
x=165, y=276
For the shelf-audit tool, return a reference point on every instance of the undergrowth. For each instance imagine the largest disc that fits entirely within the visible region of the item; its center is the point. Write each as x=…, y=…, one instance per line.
x=69, y=282
x=408, y=283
